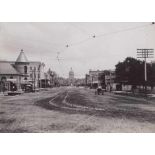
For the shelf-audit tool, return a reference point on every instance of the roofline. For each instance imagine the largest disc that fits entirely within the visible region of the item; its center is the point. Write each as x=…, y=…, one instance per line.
x=35, y=62
x=11, y=74
x=6, y=61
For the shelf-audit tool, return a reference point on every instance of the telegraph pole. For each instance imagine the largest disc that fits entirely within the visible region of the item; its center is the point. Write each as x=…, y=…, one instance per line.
x=145, y=53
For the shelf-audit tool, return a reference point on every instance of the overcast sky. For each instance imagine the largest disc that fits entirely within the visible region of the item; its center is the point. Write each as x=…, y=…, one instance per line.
x=42, y=42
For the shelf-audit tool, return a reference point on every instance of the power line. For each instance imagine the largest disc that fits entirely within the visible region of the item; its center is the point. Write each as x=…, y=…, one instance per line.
x=80, y=42
x=107, y=34
x=83, y=31
x=125, y=30
x=94, y=36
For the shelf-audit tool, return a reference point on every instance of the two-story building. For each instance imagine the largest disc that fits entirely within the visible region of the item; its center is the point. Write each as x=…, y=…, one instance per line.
x=105, y=78
x=15, y=75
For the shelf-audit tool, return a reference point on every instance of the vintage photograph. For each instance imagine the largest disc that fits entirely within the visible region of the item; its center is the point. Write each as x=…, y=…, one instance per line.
x=77, y=77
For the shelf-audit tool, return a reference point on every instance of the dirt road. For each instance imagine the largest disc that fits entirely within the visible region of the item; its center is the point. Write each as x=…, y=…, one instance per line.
x=76, y=110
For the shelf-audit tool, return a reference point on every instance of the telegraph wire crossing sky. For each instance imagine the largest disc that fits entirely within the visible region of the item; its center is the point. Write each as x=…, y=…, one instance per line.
x=82, y=46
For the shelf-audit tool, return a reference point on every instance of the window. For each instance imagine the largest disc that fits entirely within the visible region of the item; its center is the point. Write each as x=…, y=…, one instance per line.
x=25, y=69
x=30, y=75
x=3, y=79
x=11, y=77
x=30, y=68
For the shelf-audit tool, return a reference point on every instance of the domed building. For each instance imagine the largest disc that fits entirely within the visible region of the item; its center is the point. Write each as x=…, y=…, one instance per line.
x=71, y=77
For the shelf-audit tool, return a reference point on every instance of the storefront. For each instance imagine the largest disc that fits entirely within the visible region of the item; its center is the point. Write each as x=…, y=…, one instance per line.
x=9, y=83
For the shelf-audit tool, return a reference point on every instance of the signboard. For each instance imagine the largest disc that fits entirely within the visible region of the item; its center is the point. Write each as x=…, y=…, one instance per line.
x=11, y=80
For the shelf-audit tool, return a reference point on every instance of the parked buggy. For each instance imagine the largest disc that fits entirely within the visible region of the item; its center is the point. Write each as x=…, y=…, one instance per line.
x=99, y=91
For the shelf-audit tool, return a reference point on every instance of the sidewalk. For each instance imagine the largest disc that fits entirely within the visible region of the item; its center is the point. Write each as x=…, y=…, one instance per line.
x=134, y=94
x=3, y=94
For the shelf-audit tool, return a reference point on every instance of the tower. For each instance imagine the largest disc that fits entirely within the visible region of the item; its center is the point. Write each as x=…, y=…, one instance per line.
x=21, y=64
x=71, y=77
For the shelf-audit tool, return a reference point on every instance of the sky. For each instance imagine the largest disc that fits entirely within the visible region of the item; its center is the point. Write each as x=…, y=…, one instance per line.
x=64, y=45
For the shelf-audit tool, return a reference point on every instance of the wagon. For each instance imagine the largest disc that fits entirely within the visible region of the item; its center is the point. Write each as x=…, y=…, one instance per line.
x=99, y=91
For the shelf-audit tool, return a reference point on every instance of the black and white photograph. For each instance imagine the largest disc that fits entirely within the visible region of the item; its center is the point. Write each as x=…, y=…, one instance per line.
x=77, y=77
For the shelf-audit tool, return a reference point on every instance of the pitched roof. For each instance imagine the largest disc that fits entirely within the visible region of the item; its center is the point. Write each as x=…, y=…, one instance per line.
x=7, y=69
x=22, y=57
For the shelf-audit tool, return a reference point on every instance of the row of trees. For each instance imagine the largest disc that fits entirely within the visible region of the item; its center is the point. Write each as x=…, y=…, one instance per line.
x=131, y=71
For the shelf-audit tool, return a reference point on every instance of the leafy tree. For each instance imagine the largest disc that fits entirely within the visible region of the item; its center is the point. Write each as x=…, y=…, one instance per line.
x=131, y=71
x=151, y=73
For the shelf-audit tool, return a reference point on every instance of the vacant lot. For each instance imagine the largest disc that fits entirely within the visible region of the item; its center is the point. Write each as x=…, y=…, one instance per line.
x=75, y=110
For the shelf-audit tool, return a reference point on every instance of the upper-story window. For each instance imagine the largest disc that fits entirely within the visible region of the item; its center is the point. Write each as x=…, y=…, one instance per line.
x=31, y=76
x=34, y=68
x=30, y=68
x=25, y=69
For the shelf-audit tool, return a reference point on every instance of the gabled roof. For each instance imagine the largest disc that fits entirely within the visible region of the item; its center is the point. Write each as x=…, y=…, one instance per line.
x=22, y=57
x=7, y=69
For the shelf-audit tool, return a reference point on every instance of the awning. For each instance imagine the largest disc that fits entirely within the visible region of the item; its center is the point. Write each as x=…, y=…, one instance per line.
x=11, y=80
x=95, y=82
x=25, y=82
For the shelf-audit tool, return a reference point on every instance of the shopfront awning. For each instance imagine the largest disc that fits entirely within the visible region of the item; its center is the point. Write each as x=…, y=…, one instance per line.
x=11, y=80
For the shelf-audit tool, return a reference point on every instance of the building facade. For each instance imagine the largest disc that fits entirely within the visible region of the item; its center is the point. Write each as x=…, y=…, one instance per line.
x=93, y=78
x=20, y=74
x=9, y=77
x=104, y=78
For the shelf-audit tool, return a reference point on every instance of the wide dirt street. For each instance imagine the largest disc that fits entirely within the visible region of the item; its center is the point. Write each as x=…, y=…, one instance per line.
x=72, y=109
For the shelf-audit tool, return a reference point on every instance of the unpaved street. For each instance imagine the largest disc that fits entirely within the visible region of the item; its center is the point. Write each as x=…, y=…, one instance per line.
x=76, y=110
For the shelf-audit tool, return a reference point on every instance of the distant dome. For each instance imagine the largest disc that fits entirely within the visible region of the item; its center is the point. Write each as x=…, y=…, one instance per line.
x=22, y=57
x=71, y=72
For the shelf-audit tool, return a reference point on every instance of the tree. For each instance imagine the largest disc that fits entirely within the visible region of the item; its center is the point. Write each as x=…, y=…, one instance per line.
x=130, y=71
x=151, y=73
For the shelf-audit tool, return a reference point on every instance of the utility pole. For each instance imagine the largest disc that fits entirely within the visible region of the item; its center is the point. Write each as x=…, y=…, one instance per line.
x=145, y=53
x=34, y=80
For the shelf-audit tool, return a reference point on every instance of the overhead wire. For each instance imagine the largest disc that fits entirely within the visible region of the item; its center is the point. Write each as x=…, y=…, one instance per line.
x=124, y=30
x=83, y=31
x=93, y=36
